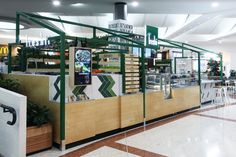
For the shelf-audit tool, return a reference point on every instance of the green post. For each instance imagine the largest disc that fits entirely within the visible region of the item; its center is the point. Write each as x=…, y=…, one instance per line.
x=122, y=69
x=17, y=28
x=182, y=49
x=175, y=65
x=9, y=58
x=62, y=91
x=143, y=84
x=94, y=32
x=199, y=68
x=221, y=67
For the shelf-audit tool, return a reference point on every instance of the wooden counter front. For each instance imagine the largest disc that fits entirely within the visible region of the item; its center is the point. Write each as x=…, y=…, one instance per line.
x=183, y=99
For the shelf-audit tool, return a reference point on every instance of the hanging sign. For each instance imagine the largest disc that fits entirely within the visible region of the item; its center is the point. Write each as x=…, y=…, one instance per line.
x=82, y=66
x=151, y=37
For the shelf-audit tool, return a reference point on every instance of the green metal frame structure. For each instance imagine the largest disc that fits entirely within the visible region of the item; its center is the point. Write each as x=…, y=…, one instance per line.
x=37, y=19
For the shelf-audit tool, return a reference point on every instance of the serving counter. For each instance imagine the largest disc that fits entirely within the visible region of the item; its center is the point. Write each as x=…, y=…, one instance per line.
x=103, y=112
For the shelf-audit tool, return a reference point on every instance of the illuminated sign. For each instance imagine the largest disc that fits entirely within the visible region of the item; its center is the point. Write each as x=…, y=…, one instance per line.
x=82, y=66
x=3, y=50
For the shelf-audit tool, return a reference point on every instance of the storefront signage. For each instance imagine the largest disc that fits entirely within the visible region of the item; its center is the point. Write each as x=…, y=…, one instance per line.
x=82, y=66
x=151, y=37
x=30, y=43
x=3, y=50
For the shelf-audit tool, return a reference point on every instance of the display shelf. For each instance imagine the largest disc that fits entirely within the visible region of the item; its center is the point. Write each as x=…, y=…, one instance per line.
x=131, y=74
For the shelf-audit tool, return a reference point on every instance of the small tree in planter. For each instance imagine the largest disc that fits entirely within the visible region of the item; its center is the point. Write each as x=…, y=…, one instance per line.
x=213, y=69
x=39, y=130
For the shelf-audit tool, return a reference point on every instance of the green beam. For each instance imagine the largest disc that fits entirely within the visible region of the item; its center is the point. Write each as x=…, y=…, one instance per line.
x=122, y=69
x=40, y=23
x=199, y=69
x=94, y=33
x=221, y=67
x=143, y=79
x=62, y=89
x=17, y=28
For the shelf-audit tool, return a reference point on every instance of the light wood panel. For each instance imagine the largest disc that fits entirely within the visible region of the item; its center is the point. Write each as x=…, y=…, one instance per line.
x=183, y=99
x=88, y=118
x=80, y=121
x=131, y=110
x=107, y=114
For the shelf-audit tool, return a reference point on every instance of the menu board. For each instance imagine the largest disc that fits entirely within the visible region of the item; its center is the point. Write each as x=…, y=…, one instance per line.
x=82, y=66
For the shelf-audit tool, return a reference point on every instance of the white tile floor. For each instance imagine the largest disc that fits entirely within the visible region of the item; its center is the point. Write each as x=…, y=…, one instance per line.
x=228, y=112
x=108, y=152
x=192, y=136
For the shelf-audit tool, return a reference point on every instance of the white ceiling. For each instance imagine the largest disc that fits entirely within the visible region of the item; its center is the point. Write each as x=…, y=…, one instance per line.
x=193, y=21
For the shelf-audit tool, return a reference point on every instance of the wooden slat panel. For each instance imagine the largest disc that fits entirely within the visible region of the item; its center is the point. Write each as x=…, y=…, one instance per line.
x=131, y=86
x=132, y=78
x=131, y=82
x=131, y=74
x=131, y=70
x=132, y=90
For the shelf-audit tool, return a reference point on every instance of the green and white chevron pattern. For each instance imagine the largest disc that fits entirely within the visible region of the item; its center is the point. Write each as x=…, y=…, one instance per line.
x=78, y=90
x=106, y=88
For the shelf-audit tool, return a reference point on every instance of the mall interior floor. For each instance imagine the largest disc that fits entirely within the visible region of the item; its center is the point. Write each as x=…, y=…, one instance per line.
x=206, y=132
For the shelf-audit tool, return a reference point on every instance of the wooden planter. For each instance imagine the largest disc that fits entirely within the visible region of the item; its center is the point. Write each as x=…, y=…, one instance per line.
x=38, y=138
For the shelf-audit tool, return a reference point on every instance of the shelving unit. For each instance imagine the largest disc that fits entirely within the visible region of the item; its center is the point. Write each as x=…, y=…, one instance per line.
x=131, y=74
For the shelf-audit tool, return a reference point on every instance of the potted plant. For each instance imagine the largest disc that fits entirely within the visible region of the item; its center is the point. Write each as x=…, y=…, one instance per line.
x=39, y=129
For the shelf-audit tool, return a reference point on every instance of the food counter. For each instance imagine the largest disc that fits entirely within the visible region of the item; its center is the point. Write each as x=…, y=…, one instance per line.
x=102, y=111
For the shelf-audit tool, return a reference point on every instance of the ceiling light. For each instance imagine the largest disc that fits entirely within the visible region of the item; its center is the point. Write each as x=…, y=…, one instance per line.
x=56, y=3
x=9, y=25
x=135, y=4
x=220, y=41
x=77, y=4
x=214, y=4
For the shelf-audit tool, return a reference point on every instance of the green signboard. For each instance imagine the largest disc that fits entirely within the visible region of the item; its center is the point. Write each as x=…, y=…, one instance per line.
x=151, y=37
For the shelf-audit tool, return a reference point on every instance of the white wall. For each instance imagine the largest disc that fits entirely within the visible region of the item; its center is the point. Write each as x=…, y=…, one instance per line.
x=13, y=138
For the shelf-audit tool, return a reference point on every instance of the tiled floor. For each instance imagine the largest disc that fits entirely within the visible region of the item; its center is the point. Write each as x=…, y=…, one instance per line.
x=208, y=132
x=108, y=152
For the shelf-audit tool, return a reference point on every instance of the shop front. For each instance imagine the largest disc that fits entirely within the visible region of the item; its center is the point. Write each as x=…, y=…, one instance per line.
x=95, y=90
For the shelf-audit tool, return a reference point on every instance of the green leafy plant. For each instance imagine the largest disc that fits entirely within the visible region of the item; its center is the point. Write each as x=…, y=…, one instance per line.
x=213, y=68
x=37, y=115
x=10, y=84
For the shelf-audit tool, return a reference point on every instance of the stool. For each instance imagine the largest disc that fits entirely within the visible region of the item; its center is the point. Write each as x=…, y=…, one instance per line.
x=218, y=95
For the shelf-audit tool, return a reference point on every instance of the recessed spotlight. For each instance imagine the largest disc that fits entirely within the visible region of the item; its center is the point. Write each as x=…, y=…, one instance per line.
x=56, y=3
x=214, y=4
x=77, y=4
x=135, y=4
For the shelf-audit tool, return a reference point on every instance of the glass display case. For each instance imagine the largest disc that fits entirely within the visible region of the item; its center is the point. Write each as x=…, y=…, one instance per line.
x=166, y=81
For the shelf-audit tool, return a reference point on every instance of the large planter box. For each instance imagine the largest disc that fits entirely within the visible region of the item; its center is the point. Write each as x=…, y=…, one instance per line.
x=38, y=138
